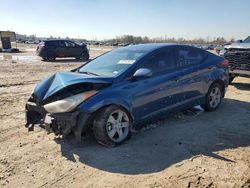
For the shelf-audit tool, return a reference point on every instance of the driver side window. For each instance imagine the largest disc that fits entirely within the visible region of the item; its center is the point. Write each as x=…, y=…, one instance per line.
x=161, y=62
x=69, y=44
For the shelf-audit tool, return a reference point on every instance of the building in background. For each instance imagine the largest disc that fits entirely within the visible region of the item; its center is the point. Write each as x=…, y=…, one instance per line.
x=6, y=38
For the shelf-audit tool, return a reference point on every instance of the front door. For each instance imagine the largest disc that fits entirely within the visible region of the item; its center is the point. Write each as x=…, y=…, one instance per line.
x=71, y=49
x=160, y=92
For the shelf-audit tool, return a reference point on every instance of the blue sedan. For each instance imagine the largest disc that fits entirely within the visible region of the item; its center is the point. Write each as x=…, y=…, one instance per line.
x=125, y=88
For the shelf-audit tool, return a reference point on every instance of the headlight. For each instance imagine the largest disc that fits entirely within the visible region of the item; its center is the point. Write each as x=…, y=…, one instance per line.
x=68, y=104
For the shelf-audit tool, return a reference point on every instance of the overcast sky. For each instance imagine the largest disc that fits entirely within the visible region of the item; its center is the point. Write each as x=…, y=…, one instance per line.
x=103, y=19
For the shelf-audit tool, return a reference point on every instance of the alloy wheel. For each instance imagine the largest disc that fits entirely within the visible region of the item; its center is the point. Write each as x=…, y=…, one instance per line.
x=215, y=97
x=117, y=126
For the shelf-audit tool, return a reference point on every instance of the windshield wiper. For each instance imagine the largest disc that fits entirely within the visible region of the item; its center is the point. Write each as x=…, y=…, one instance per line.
x=89, y=73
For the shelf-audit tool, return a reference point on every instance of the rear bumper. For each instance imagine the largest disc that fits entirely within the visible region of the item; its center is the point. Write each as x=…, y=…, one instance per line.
x=41, y=54
x=61, y=124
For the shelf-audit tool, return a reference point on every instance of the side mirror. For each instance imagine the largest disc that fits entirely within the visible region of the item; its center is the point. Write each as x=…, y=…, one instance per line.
x=239, y=41
x=142, y=73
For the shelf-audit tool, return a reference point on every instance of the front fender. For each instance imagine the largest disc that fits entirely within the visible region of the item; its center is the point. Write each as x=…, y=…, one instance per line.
x=105, y=99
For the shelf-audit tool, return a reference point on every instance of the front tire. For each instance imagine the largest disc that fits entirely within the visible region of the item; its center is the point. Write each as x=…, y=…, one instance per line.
x=112, y=126
x=214, y=97
x=85, y=56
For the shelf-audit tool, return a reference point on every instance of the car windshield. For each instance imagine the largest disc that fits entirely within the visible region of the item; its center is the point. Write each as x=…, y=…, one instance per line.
x=247, y=40
x=112, y=63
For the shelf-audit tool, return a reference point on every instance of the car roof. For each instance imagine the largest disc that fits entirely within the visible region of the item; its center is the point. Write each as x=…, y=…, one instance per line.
x=55, y=40
x=151, y=46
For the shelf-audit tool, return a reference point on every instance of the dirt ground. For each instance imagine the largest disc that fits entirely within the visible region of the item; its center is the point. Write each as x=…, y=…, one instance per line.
x=183, y=150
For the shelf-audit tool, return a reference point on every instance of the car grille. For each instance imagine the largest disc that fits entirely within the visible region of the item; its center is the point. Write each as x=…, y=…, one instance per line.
x=238, y=58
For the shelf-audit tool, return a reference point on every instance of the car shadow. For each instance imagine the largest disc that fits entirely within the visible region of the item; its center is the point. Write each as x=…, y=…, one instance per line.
x=170, y=141
x=13, y=51
x=241, y=86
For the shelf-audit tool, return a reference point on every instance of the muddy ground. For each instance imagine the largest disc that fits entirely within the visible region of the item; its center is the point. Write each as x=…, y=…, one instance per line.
x=182, y=150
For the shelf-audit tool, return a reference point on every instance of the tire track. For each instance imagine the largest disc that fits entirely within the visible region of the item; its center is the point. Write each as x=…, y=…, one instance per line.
x=19, y=84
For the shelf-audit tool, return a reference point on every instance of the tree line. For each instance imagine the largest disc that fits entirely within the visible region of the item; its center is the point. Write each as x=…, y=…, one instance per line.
x=136, y=40
x=130, y=39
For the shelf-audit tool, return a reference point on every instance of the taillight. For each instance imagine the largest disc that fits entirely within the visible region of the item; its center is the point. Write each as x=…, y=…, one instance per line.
x=225, y=63
x=41, y=45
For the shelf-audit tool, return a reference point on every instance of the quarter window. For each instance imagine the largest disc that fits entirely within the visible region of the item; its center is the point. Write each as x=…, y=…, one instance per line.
x=247, y=40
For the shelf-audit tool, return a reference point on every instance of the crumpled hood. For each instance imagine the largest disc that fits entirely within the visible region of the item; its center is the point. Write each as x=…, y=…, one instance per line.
x=238, y=45
x=53, y=84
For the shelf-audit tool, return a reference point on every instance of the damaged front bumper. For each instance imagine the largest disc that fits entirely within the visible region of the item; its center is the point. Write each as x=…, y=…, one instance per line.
x=60, y=123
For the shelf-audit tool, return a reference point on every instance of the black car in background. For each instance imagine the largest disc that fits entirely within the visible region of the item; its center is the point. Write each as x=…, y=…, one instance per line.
x=49, y=50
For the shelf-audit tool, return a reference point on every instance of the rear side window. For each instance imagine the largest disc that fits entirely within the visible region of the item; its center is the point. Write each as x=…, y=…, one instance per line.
x=51, y=43
x=189, y=56
x=161, y=62
x=61, y=43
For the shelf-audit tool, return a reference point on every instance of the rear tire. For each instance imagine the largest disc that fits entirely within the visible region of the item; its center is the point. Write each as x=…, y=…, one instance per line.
x=214, y=97
x=111, y=126
x=44, y=59
x=51, y=56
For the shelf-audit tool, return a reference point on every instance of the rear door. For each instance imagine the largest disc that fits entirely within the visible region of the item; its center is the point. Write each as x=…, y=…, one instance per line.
x=190, y=60
x=61, y=50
